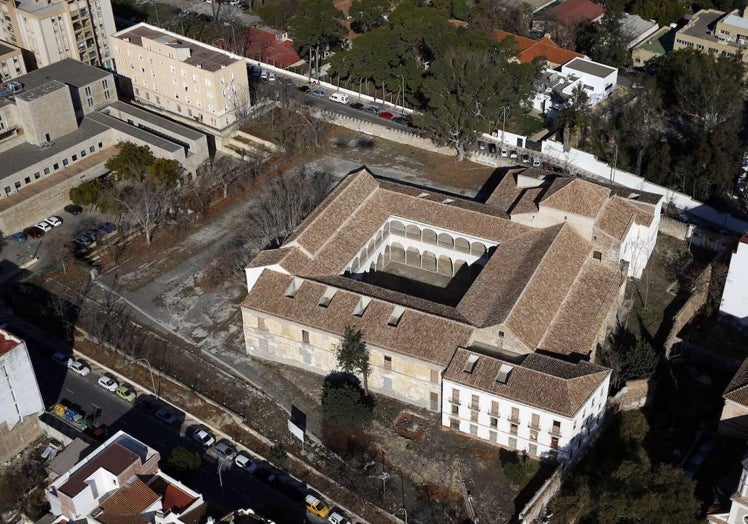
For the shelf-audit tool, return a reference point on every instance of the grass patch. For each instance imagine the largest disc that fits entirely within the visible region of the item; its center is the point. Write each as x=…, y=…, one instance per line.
x=518, y=468
x=525, y=124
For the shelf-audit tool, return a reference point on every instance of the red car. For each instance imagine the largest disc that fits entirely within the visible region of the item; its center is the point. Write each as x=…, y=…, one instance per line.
x=386, y=115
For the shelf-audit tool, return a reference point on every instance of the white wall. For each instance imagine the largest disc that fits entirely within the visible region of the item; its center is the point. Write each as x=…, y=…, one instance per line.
x=735, y=295
x=639, y=243
x=589, y=165
x=19, y=392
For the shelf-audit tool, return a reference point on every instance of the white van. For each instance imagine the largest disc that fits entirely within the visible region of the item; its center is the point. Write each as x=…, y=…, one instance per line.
x=339, y=97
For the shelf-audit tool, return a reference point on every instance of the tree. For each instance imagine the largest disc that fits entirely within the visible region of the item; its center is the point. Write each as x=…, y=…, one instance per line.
x=86, y=194
x=165, y=172
x=639, y=360
x=131, y=162
x=316, y=23
x=183, y=460
x=278, y=455
x=353, y=355
x=145, y=204
x=466, y=89
x=368, y=14
x=344, y=402
x=573, y=117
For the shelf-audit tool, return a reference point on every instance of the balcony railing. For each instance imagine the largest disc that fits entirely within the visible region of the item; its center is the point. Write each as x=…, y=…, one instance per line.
x=454, y=401
x=556, y=432
x=474, y=407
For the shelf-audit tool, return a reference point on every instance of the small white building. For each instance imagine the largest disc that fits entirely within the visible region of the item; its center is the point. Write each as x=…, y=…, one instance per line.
x=735, y=295
x=739, y=509
x=542, y=406
x=598, y=80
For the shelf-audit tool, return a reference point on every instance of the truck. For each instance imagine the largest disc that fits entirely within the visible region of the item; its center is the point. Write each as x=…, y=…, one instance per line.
x=71, y=414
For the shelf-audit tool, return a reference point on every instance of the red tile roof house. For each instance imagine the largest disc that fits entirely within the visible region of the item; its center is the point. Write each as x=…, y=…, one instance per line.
x=120, y=483
x=528, y=49
x=574, y=12
x=272, y=47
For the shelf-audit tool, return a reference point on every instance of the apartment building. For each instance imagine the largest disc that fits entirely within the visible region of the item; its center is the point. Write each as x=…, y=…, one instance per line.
x=60, y=130
x=716, y=32
x=539, y=405
x=191, y=81
x=52, y=30
x=121, y=482
x=12, y=64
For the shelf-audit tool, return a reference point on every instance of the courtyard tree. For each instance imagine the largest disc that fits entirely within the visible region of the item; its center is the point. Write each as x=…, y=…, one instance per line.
x=353, y=355
x=131, y=162
x=466, y=89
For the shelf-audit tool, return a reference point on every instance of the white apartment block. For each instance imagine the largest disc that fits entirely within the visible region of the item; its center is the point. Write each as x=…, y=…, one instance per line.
x=54, y=30
x=540, y=405
x=12, y=64
x=193, y=82
x=734, y=304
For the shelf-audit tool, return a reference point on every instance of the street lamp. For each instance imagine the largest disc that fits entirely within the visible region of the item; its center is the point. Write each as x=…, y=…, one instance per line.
x=504, y=111
x=404, y=513
x=402, y=85
x=153, y=382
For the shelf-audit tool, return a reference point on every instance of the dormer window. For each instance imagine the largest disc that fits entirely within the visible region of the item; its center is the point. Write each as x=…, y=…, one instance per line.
x=397, y=314
x=326, y=297
x=293, y=288
x=360, y=309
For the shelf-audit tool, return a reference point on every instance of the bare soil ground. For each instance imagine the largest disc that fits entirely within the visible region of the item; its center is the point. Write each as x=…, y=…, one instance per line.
x=164, y=283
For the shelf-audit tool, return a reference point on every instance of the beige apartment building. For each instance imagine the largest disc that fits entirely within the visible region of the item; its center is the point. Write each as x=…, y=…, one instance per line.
x=714, y=32
x=52, y=30
x=11, y=62
x=193, y=82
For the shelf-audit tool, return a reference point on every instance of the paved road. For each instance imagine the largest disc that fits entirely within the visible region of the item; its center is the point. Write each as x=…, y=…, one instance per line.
x=231, y=489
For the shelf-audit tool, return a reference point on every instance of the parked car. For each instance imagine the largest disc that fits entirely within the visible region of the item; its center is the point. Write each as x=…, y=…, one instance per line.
x=337, y=516
x=107, y=227
x=304, y=89
x=80, y=367
x=108, y=383
x=204, y=437
x=126, y=392
x=62, y=359
x=317, y=92
x=386, y=115
x=267, y=474
x=357, y=105
x=44, y=226
x=34, y=232
x=245, y=462
x=19, y=237
x=73, y=209
x=316, y=507
x=53, y=221
x=166, y=415
x=504, y=152
x=536, y=161
x=525, y=159
x=225, y=449
x=482, y=146
x=513, y=154
x=401, y=120
x=372, y=109
x=492, y=148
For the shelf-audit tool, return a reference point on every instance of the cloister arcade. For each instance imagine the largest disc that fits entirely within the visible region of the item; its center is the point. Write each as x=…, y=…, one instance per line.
x=421, y=246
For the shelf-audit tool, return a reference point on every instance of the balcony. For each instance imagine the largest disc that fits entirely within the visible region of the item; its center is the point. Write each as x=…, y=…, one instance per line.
x=474, y=406
x=555, y=432
x=536, y=427
x=513, y=420
x=454, y=400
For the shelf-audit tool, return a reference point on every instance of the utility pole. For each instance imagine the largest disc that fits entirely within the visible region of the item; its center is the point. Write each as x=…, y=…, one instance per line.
x=504, y=111
x=615, y=162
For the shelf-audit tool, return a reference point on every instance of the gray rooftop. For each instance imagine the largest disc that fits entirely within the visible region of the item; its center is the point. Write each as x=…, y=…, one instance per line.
x=5, y=48
x=589, y=67
x=68, y=71
x=25, y=155
x=635, y=25
x=737, y=21
x=135, y=132
x=700, y=24
x=156, y=120
x=41, y=90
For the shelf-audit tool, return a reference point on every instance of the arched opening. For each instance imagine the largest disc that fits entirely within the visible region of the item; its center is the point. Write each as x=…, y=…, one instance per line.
x=477, y=249
x=428, y=261
x=445, y=266
x=446, y=241
x=397, y=252
x=413, y=232
x=413, y=257
x=397, y=228
x=462, y=245
x=429, y=236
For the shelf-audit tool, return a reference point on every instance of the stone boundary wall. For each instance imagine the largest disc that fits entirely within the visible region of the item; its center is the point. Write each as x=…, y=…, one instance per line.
x=14, y=440
x=674, y=228
x=689, y=310
x=535, y=509
x=634, y=395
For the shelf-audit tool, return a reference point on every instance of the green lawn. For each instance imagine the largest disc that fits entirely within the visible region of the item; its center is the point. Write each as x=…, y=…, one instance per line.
x=525, y=124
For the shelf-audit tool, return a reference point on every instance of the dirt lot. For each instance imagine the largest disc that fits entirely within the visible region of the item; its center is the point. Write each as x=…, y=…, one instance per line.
x=428, y=467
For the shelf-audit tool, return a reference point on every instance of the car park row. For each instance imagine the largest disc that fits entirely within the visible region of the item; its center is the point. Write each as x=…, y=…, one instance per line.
x=222, y=450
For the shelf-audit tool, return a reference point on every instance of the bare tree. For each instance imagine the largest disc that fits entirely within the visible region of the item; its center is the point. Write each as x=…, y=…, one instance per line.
x=144, y=204
x=282, y=204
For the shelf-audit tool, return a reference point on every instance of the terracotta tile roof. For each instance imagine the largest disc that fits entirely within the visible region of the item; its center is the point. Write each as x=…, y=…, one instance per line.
x=7, y=342
x=579, y=319
x=542, y=296
x=618, y=214
x=130, y=500
x=737, y=389
x=173, y=498
x=291, y=259
x=573, y=12
x=115, y=459
x=418, y=334
x=528, y=49
x=574, y=195
x=264, y=46
x=539, y=381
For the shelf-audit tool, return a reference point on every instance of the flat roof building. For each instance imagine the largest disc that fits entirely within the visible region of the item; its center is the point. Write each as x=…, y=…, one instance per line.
x=714, y=32
x=12, y=64
x=191, y=81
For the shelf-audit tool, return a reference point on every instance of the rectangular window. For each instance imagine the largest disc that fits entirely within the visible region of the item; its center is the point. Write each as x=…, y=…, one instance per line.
x=101, y=144
x=515, y=415
x=261, y=324
x=307, y=355
x=597, y=255
x=7, y=190
x=512, y=443
x=556, y=428
x=455, y=396
x=83, y=153
x=387, y=383
x=493, y=436
x=434, y=375
x=27, y=179
x=473, y=429
x=533, y=449
x=473, y=416
x=37, y=175
x=554, y=442
x=46, y=170
x=454, y=424
x=455, y=409
x=434, y=401
x=535, y=423
x=495, y=408
x=92, y=148
x=493, y=422
x=18, y=185
x=474, y=402
x=387, y=362
x=65, y=162
x=533, y=434
x=56, y=166
x=263, y=343
x=305, y=336
x=74, y=157
x=513, y=429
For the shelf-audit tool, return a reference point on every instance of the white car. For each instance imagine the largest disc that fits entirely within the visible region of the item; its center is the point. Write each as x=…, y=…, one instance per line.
x=80, y=367
x=204, y=437
x=337, y=517
x=44, y=226
x=504, y=152
x=54, y=221
x=108, y=383
x=244, y=461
